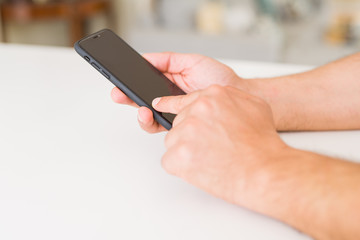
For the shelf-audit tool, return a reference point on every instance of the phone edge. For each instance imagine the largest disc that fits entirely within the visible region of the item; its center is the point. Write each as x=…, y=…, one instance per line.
x=160, y=119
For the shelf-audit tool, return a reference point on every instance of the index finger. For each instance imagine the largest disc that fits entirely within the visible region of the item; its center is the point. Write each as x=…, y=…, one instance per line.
x=119, y=97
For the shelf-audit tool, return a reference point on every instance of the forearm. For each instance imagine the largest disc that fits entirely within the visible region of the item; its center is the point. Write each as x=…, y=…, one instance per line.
x=327, y=98
x=318, y=195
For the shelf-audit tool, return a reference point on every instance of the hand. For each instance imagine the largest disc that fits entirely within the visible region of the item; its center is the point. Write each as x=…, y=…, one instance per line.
x=190, y=72
x=221, y=141
x=224, y=141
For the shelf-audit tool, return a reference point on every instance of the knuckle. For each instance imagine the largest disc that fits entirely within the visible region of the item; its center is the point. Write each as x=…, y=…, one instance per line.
x=216, y=89
x=173, y=160
x=203, y=104
x=190, y=125
x=183, y=151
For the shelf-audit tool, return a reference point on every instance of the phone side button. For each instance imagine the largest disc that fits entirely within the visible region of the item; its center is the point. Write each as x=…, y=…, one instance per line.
x=105, y=74
x=95, y=66
x=87, y=58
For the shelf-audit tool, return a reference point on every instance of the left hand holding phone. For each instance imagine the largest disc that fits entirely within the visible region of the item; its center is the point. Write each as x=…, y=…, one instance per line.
x=190, y=72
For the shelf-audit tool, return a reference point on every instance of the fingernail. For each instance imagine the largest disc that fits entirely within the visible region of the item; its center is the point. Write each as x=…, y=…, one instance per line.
x=139, y=118
x=155, y=101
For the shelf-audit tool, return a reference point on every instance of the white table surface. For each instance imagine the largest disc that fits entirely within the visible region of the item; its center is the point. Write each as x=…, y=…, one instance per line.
x=74, y=165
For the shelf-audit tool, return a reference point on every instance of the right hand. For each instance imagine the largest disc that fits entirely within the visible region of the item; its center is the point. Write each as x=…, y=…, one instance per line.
x=190, y=72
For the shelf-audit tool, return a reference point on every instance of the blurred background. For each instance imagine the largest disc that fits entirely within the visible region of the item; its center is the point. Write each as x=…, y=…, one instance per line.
x=309, y=32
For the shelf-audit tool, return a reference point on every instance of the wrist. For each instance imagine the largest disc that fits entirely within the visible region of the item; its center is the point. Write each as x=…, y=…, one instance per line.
x=248, y=85
x=278, y=92
x=269, y=90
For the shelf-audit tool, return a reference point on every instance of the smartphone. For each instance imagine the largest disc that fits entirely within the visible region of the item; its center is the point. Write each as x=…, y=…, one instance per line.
x=128, y=71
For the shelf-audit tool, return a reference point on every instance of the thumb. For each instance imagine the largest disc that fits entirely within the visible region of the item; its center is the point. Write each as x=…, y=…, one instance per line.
x=173, y=104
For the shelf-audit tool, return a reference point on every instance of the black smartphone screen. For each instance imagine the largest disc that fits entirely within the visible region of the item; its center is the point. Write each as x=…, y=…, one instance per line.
x=129, y=67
